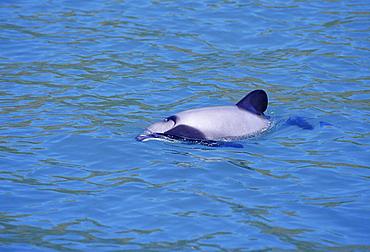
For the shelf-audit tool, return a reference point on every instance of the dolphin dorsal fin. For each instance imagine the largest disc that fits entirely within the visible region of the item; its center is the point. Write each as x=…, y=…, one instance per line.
x=255, y=102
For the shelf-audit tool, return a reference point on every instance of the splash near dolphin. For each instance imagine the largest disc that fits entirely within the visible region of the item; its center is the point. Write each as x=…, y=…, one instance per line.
x=222, y=123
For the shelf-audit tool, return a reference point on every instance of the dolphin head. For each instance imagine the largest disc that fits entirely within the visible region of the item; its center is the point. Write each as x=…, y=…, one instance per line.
x=157, y=128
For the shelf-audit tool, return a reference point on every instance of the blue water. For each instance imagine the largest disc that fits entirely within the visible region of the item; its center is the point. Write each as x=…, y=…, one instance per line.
x=81, y=79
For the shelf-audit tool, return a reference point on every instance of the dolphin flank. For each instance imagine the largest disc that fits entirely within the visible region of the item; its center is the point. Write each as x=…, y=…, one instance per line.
x=223, y=123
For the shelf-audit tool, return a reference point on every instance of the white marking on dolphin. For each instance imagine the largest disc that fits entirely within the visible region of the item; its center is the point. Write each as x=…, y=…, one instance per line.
x=223, y=123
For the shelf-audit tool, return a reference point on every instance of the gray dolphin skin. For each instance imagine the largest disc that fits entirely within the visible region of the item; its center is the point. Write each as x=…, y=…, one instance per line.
x=223, y=123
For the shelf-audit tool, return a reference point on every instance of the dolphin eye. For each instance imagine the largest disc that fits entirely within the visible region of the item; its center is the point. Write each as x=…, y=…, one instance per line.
x=171, y=118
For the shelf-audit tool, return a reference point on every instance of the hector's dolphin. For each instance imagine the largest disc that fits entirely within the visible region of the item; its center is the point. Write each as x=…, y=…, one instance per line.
x=224, y=123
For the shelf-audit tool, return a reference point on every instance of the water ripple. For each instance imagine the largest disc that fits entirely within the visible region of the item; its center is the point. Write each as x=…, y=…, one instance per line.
x=79, y=80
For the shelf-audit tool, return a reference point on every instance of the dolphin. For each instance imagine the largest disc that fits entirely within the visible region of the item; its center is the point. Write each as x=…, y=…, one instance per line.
x=222, y=123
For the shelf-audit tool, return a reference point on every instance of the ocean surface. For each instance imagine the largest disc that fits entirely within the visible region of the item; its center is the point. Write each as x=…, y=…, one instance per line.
x=81, y=79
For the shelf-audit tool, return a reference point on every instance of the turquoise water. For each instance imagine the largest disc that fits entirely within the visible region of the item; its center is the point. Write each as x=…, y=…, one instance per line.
x=80, y=80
